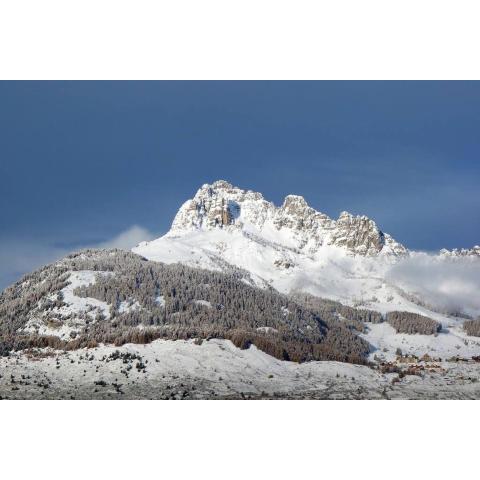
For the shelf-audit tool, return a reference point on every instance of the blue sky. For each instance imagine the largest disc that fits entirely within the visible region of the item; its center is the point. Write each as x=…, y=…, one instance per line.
x=81, y=163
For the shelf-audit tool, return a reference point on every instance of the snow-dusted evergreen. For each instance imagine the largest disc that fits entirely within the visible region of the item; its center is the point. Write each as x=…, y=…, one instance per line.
x=113, y=297
x=413, y=323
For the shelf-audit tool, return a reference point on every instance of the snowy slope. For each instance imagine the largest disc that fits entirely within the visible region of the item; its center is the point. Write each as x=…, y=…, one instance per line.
x=329, y=272
x=295, y=248
x=216, y=369
x=289, y=247
x=69, y=318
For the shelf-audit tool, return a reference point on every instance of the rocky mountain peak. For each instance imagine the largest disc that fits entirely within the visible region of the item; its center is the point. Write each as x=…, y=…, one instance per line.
x=361, y=235
x=296, y=207
x=294, y=200
x=220, y=187
x=221, y=205
x=222, y=184
x=358, y=233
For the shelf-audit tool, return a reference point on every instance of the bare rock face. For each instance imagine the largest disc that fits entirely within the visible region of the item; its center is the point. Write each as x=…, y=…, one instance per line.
x=218, y=206
x=358, y=234
x=295, y=213
x=223, y=206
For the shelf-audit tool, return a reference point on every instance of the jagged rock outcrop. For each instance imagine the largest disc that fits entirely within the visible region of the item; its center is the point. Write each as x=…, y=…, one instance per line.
x=294, y=223
x=358, y=234
x=219, y=205
x=361, y=235
x=462, y=252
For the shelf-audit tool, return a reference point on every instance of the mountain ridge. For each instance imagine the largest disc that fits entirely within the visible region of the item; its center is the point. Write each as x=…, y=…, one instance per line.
x=221, y=205
x=293, y=247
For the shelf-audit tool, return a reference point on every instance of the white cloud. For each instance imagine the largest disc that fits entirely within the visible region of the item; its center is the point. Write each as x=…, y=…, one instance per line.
x=451, y=284
x=128, y=239
x=18, y=257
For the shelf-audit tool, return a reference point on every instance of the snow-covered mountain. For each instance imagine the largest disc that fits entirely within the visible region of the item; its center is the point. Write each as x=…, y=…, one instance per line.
x=293, y=225
x=295, y=248
x=413, y=307
x=291, y=247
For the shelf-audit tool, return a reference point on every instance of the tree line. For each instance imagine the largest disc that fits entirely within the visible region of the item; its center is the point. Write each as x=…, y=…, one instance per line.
x=412, y=323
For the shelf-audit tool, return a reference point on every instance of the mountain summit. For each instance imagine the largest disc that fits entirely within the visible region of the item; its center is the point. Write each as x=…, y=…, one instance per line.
x=294, y=224
x=293, y=247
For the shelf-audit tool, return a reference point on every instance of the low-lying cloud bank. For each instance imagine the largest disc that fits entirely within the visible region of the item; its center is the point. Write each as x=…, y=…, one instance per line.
x=451, y=284
x=19, y=257
x=128, y=239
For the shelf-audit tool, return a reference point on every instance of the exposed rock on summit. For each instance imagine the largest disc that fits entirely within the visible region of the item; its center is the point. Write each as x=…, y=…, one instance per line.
x=221, y=205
